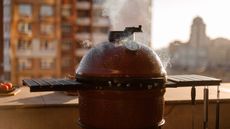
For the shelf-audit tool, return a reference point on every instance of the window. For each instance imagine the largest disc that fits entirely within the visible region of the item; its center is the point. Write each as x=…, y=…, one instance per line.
x=66, y=45
x=24, y=44
x=47, y=28
x=6, y=2
x=25, y=27
x=6, y=28
x=47, y=63
x=97, y=13
x=66, y=28
x=7, y=43
x=83, y=13
x=46, y=10
x=66, y=62
x=98, y=1
x=47, y=45
x=83, y=0
x=25, y=10
x=6, y=54
x=24, y=63
x=6, y=11
x=66, y=10
x=101, y=29
x=85, y=29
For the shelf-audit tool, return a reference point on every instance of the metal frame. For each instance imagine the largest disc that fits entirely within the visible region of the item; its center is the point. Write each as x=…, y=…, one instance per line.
x=177, y=81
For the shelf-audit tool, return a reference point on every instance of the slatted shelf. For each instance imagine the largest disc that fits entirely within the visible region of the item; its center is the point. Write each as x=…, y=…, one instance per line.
x=191, y=80
x=52, y=84
x=172, y=81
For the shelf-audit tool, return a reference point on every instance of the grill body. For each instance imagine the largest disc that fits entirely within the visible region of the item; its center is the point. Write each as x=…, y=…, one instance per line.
x=129, y=96
x=121, y=110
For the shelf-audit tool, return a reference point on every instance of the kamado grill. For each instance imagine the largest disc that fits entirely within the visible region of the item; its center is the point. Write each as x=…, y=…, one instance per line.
x=121, y=84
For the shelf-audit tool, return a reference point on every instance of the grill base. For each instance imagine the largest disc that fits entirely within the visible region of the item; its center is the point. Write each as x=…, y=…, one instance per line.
x=83, y=126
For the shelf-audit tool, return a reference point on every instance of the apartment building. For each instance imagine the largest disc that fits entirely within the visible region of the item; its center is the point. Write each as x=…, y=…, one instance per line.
x=82, y=26
x=47, y=37
x=100, y=24
x=6, y=39
x=68, y=41
x=1, y=43
x=35, y=39
x=92, y=27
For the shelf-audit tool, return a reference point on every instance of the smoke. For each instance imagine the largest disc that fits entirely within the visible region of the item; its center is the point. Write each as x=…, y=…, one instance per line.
x=111, y=8
x=164, y=56
x=123, y=13
x=127, y=13
x=86, y=44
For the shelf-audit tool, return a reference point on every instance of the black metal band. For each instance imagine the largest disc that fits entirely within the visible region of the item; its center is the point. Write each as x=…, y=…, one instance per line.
x=121, y=83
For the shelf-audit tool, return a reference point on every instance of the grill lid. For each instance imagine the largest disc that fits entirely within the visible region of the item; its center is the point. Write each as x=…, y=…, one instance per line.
x=121, y=56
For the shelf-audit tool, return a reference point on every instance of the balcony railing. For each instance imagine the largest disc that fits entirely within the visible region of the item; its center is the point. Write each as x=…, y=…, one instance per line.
x=36, y=53
x=99, y=37
x=82, y=36
x=101, y=22
x=84, y=5
x=83, y=21
x=81, y=52
x=97, y=6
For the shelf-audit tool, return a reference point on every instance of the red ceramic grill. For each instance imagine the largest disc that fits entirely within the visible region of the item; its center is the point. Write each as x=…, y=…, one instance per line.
x=121, y=84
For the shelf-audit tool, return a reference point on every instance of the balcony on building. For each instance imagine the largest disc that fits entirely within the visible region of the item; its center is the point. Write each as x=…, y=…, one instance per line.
x=99, y=37
x=83, y=5
x=82, y=36
x=97, y=6
x=83, y=21
x=36, y=49
x=80, y=52
x=102, y=21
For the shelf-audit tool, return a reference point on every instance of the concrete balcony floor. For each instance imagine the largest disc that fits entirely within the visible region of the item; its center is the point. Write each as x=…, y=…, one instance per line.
x=56, y=110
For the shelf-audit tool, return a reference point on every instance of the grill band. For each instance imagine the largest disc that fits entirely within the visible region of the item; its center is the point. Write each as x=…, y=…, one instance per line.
x=161, y=123
x=122, y=83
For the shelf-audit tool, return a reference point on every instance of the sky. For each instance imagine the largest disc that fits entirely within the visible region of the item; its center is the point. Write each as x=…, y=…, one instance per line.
x=172, y=19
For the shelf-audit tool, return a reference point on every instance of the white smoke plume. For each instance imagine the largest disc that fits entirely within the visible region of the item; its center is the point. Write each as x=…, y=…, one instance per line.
x=86, y=44
x=127, y=13
x=112, y=9
x=164, y=56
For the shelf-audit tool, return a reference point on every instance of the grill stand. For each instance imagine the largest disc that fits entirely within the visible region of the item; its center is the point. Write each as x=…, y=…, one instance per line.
x=218, y=108
x=206, y=94
x=193, y=99
x=198, y=80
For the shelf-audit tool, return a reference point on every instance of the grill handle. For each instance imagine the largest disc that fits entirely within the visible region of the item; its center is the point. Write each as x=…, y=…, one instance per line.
x=127, y=33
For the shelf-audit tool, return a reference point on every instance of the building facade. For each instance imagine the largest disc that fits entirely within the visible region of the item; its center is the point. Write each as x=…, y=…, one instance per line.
x=6, y=35
x=1, y=42
x=68, y=42
x=35, y=39
x=48, y=38
x=200, y=53
x=82, y=25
